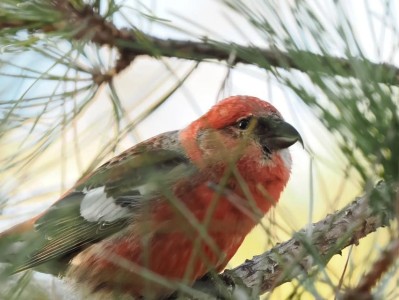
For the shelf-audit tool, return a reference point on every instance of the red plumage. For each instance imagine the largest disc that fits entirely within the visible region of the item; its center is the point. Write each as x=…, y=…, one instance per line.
x=144, y=210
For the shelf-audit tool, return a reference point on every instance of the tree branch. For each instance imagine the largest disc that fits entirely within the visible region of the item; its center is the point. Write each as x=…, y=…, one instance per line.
x=378, y=269
x=309, y=248
x=84, y=23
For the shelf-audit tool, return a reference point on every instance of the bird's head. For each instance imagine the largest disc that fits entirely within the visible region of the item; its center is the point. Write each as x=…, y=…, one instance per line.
x=236, y=126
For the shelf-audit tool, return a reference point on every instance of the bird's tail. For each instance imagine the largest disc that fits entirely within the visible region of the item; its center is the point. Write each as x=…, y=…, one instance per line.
x=15, y=241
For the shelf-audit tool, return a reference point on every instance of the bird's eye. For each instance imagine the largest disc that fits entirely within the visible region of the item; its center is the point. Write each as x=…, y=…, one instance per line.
x=244, y=123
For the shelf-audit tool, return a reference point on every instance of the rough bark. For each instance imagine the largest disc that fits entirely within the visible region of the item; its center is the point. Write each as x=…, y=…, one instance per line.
x=309, y=248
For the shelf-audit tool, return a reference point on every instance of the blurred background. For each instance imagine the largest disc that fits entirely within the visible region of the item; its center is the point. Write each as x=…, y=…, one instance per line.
x=333, y=79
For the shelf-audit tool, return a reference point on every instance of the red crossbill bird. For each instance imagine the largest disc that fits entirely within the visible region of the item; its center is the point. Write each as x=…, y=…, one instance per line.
x=170, y=209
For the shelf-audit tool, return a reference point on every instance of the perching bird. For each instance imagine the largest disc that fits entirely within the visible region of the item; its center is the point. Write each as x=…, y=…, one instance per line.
x=167, y=210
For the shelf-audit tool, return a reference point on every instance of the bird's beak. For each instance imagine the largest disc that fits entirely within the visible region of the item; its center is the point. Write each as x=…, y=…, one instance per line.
x=279, y=134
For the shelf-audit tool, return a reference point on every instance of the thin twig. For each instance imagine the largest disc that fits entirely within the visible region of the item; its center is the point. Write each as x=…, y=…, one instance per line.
x=379, y=268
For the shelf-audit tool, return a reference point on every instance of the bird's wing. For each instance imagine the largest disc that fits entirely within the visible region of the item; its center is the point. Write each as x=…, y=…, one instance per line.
x=103, y=203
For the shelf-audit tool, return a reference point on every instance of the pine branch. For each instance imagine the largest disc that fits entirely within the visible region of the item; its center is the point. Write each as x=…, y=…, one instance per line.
x=84, y=23
x=308, y=249
x=379, y=268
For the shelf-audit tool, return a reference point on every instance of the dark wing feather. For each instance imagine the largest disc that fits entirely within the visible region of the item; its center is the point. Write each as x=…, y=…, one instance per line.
x=63, y=231
x=120, y=186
